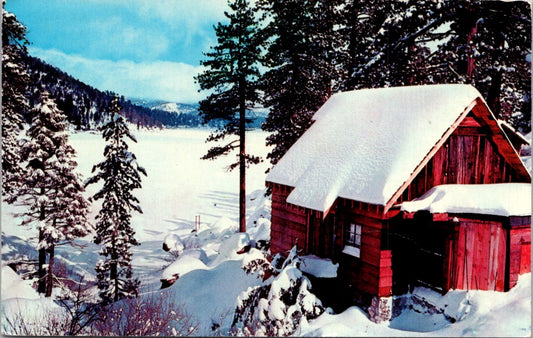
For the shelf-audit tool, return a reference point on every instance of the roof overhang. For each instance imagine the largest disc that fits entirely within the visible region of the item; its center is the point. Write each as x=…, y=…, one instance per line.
x=504, y=146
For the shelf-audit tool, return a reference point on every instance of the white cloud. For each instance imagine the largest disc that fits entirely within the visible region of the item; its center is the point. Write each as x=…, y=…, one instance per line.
x=122, y=39
x=170, y=81
x=189, y=21
x=177, y=12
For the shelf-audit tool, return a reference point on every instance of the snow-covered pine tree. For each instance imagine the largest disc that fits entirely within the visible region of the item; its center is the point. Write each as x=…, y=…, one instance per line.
x=49, y=186
x=384, y=41
x=301, y=58
x=120, y=174
x=489, y=46
x=484, y=43
x=232, y=73
x=15, y=81
x=281, y=303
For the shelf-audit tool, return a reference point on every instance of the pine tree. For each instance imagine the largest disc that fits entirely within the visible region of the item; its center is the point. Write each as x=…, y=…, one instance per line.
x=489, y=47
x=15, y=81
x=49, y=187
x=120, y=174
x=232, y=73
x=385, y=45
x=483, y=43
x=301, y=58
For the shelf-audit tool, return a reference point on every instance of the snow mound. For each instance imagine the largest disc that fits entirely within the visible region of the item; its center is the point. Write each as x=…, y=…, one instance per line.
x=37, y=314
x=455, y=304
x=14, y=287
x=20, y=300
x=185, y=263
x=502, y=199
x=481, y=314
x=230, y=246
x=497, y=314
x=319, y=267
x=261, y=231
x=223, y=226
x=258, y=225
x=210, y=295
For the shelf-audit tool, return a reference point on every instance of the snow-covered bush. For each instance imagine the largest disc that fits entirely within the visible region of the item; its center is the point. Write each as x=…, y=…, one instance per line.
x=23, y=317
x=148, y=315
x=173, y=244
x=255, y=262
x=281, y=304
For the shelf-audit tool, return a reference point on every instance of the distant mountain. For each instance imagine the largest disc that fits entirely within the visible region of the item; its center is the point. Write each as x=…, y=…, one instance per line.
x=188, y=114
x=85, y=106
x=148, y=103
x=178, y=108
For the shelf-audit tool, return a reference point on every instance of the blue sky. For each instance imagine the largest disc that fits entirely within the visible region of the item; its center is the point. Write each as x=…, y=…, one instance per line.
x=142, y=49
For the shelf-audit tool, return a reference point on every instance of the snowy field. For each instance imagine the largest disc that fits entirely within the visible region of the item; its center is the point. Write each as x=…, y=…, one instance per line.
x=179, y=188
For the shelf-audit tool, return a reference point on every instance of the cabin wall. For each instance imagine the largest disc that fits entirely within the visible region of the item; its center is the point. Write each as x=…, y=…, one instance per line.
x=469, y=156
x=472, y=252
x=520, y=248
x=370, y=274
x=288, y=222
x=321, y=236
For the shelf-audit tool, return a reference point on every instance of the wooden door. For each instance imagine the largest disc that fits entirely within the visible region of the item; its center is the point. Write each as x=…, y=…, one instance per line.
x=477, y=257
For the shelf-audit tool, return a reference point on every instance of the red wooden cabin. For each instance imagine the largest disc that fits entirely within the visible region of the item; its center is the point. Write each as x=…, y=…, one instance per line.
x=338, y=193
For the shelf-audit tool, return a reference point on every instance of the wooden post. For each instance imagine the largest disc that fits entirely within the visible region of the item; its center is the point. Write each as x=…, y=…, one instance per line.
x=197, y=223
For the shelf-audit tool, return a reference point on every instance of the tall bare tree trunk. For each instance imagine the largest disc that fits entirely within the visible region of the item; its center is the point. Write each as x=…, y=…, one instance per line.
x=493, y=96
x=41, y=272
x=114, y=279
x=50, y=277
x=113, y=268
x=471, y=61
x=242, y=157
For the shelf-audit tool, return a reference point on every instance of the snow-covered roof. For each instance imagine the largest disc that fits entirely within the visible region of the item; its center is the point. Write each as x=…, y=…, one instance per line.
x=365, y=144
x=502, y=199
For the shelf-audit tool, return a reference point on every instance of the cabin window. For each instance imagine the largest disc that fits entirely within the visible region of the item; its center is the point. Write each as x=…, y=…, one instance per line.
x=352, y=243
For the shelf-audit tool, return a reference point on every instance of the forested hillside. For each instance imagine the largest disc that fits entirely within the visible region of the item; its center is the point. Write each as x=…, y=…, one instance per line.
x=85, y=105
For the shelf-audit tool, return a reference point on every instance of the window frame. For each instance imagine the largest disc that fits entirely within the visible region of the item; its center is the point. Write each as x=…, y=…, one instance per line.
x=352, y=239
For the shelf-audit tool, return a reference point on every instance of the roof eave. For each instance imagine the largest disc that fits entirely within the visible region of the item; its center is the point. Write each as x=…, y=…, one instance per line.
x=501, y=139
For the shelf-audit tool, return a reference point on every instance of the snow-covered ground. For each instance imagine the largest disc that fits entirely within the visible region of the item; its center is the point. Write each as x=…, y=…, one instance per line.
x=179, y=188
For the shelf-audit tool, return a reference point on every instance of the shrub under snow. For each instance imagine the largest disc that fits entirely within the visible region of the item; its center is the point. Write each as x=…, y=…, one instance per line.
x=173, y=244
x=281, y=304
